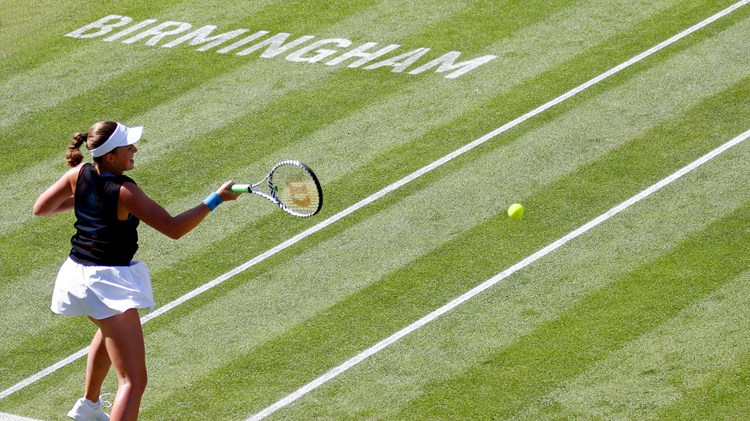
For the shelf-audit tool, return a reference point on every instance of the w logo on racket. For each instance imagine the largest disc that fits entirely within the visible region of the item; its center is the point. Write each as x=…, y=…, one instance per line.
x=299, y=192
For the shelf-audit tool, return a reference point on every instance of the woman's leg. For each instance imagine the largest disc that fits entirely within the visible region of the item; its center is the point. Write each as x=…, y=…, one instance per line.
x=97, y=367
x=123, y=337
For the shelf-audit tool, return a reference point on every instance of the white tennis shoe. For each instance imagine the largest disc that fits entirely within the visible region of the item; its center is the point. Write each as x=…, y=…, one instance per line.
x=85, y=410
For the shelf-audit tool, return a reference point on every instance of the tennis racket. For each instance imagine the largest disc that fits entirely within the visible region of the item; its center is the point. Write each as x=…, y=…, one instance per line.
x=292, y=186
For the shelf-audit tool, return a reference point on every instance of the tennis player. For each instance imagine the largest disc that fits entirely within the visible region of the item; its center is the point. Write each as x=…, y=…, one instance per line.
x=100, y=279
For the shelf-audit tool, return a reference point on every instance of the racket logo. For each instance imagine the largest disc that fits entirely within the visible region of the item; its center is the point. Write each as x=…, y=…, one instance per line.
x=299, y=192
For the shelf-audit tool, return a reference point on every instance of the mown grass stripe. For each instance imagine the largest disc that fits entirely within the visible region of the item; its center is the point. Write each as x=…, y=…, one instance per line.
x=33, y=43
x=683, y=356
x=55, y=76
x=11, y=417
x=723, y=393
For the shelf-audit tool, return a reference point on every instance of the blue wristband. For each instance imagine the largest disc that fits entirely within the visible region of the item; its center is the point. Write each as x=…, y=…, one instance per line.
x=213, y=200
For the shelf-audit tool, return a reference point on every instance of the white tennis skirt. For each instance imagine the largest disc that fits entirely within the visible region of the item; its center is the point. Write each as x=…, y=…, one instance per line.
x=101, y=291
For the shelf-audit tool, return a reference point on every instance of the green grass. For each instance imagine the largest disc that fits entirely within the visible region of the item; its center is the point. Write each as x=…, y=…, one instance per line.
x=641, y=318
x=602, y=322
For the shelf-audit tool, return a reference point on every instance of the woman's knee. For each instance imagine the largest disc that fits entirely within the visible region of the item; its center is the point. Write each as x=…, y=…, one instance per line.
x=135, y=382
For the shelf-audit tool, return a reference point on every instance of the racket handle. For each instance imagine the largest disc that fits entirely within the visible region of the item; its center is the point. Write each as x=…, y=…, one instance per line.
x=241, y=188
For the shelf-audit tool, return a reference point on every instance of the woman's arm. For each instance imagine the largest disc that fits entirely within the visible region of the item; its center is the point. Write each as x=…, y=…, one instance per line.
x=58, y=197
x=144, y=208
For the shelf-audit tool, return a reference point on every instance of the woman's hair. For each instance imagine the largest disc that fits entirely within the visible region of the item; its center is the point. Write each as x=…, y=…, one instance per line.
x=96, y=136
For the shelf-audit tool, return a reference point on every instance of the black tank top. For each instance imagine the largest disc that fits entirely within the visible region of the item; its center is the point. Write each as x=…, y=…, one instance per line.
x=101, y=239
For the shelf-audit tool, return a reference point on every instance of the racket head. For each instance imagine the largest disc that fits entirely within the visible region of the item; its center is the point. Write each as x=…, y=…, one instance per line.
x=295, y=188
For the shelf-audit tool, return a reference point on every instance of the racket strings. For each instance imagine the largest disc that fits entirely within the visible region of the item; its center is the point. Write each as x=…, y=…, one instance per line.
x=295, y=189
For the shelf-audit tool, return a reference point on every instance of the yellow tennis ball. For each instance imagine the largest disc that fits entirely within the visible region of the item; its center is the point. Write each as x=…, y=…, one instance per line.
x=516, y=211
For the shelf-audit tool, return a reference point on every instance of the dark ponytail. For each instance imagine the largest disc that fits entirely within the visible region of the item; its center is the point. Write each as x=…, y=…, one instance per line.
x=96, y=136
x=74, y=155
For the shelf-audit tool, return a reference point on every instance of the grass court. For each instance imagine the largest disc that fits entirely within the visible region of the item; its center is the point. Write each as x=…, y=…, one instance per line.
x=644, y=316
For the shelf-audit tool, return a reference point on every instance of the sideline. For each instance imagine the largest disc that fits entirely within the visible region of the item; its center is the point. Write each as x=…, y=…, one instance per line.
x=395, y=186
x=11, y=417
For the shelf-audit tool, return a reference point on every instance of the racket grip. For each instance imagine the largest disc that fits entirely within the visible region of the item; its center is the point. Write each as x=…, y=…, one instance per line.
x=241, y=188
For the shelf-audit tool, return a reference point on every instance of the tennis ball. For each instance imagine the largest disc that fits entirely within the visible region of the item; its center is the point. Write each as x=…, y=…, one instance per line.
x=516, y=211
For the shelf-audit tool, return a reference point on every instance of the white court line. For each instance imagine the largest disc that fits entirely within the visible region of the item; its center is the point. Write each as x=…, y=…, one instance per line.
x=398, y=184
x=494, y=280
x=11, y=417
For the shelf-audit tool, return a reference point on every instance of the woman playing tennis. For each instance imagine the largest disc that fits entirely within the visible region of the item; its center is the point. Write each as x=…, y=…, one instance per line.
x=100, y=279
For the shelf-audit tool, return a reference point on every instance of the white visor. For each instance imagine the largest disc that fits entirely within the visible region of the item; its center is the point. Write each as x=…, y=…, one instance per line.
x=122, y=136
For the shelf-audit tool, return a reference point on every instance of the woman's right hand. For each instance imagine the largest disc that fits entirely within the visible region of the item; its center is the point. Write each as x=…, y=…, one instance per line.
x=226, y=193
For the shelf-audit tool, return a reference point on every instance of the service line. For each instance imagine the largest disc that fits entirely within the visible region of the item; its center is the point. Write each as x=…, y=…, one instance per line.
x=366, y=201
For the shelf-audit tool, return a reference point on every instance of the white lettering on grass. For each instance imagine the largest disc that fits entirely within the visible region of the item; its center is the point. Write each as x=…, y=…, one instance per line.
x=361, y=53
x=242, y=42
x=201, y=36
x=320, y=53
x=157, y=33
x=130, y=30
x=275, y=45
x=447, y=63
x=329, y=51
x=400, y=62
x=100, y=25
